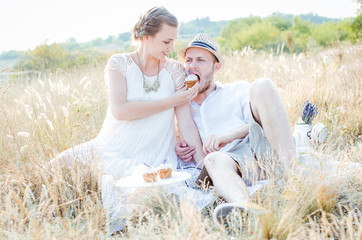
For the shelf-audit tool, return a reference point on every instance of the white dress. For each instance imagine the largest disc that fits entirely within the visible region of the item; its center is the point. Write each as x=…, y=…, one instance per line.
x=121, y=145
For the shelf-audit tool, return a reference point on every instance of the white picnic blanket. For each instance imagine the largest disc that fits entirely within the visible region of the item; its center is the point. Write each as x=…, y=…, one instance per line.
x=317, y=167
x=321, y=167
x=115, y=199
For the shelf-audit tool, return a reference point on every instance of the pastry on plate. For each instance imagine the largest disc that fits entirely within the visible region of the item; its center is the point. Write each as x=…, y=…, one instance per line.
x=164, y=170
x=149, y=174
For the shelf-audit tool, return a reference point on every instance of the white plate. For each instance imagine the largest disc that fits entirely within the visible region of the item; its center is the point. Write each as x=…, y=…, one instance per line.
x=136, y=181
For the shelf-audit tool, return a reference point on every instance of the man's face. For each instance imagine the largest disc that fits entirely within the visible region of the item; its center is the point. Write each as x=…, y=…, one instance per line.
x=201, y=63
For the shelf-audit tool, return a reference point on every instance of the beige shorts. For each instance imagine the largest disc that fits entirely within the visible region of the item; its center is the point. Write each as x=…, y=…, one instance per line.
x=254, y=157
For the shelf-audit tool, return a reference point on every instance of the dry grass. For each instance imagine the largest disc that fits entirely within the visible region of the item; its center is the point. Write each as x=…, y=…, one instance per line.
x=49, y=114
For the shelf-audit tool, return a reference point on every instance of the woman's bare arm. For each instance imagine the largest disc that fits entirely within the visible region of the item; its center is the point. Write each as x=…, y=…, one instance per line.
x=131, y=110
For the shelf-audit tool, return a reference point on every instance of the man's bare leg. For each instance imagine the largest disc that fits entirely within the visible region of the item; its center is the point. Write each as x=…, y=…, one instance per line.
x=269, y=111
x=223, y=172
x=228, y=184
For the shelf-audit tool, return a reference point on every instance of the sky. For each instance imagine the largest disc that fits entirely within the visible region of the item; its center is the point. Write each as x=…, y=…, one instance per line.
x=28, y=23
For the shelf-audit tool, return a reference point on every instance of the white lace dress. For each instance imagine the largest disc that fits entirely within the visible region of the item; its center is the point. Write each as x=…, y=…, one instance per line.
x=123, y=145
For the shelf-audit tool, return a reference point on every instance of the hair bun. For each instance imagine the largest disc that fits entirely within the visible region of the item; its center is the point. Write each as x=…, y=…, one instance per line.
x=150, y=23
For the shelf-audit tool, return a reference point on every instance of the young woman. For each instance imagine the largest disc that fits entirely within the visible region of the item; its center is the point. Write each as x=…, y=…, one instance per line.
x=144, y=89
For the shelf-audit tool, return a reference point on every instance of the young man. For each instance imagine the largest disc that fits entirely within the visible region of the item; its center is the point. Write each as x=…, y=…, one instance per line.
x=244, y=127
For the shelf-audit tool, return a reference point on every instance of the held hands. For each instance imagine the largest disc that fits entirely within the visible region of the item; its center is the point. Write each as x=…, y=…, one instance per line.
x=184, y=95
x=184, y=151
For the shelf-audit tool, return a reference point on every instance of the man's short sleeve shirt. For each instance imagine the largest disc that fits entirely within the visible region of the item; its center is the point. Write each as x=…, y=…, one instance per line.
x=224, y=109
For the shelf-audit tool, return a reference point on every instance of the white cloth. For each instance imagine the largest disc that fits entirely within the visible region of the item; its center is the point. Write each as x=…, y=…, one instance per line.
x=224, y=109
x=150, y=140
x=121, y=145
x=324, y=168
x=115, y=199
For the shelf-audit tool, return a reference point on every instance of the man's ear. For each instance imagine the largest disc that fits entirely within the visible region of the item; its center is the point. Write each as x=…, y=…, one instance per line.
x=217, y=66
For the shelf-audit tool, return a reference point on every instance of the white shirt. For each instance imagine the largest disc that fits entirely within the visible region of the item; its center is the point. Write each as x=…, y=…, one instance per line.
x=223, y=110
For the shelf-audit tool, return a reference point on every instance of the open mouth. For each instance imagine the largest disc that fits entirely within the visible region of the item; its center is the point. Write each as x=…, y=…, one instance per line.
x=198, y=77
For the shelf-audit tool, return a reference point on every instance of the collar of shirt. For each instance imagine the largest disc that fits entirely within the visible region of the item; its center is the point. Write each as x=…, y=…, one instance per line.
x=223, y=109
x=219, y=87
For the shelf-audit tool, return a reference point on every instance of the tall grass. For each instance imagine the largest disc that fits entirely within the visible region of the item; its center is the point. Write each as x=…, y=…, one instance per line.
x=50, y=113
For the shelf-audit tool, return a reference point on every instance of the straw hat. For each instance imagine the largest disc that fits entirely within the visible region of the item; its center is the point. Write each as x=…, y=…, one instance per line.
x=203, y=41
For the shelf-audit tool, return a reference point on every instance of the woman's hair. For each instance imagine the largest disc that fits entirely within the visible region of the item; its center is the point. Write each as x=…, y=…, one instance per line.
x=151, y=22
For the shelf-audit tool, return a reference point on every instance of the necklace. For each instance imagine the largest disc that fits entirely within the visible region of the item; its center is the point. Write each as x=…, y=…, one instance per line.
x=146, y=86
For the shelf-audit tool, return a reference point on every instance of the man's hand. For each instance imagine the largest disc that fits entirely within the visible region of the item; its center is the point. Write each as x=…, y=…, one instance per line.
x=215, y=142
x=184, y=151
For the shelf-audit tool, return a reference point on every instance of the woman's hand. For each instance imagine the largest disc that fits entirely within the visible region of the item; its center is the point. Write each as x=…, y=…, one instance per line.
x=215, y=142
x=184, y=95
x=184, y=151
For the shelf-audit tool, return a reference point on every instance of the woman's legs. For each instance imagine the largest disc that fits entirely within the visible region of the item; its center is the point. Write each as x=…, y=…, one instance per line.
x=64, y=160
x=79, y=157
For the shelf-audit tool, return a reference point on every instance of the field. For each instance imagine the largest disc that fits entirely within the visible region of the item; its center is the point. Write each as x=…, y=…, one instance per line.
x=45, y=114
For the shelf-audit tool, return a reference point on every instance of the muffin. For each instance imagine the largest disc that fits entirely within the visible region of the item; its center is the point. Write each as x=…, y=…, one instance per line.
x=149, y=174
x=191, y=80
x=164, y=170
